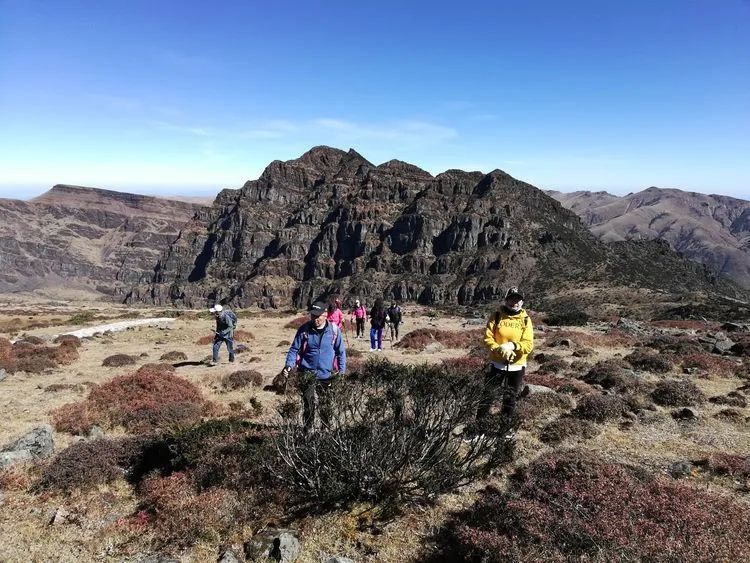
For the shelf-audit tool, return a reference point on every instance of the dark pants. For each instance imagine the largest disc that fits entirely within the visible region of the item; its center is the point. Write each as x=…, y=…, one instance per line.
x=497, y=382
x=315, y=393
x=360, y=327
x=394, y=330
x=217, y=345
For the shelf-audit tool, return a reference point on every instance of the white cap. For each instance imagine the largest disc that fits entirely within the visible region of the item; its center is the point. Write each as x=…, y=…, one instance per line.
x=216, y=309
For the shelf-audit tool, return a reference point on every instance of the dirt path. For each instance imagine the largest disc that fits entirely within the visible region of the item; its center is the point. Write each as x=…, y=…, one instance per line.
x=118, y=326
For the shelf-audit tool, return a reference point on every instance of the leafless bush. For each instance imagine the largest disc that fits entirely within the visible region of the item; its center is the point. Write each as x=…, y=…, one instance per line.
x=118, y=360
x=417, y=409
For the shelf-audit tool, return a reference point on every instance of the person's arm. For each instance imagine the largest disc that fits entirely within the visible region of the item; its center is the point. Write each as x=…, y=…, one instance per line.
x=339, y=349
x=291, y=356
x=526, y=344
x=489, y=335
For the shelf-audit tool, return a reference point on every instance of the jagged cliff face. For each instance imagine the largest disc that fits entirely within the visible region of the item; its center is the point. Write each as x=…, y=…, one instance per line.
x=332, y=222
x=86, y=238
x=710, y=229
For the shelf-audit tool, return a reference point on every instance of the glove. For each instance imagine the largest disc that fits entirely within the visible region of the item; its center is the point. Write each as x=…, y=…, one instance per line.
x=509, y=346
x=506, y=355
x=286, y=370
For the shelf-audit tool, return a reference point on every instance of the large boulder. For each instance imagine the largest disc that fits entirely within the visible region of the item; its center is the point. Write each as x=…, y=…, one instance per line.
x=277, y=545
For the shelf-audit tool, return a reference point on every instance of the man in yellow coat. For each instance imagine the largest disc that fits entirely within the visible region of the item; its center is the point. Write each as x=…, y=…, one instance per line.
x=509, y=337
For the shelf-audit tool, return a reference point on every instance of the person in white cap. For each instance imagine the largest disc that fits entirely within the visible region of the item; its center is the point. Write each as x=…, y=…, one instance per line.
x=225, y=323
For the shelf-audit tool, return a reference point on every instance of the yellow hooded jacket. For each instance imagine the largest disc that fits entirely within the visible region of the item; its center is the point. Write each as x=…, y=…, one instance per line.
x=505, y=327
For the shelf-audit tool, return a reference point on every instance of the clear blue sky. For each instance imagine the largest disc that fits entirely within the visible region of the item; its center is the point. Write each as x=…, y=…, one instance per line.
x=188, y=97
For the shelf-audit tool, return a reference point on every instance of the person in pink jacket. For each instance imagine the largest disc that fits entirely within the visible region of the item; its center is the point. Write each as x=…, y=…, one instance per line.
x=359, y=315
x=335, y=315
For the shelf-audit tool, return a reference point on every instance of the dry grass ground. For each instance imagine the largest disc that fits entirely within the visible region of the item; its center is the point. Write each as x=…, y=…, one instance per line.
x=102, y=523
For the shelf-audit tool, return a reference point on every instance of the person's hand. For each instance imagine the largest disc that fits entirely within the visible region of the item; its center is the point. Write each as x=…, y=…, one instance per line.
x=508, y=346
x=506, y=355
x=286, y=370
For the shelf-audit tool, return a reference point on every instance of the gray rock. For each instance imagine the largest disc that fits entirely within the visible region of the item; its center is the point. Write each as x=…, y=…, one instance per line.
x=723, y=346
x=536, y=389
x=95, y=432
x=433, y=347
x=278, y=545
x=340, y=560
x=3, y=374
x=60, y=517
x=156, y=558
x=228, y=557
x=680, y=469
x=735, y=327
x=478, y=322
x=691, y=371
x=39, y=442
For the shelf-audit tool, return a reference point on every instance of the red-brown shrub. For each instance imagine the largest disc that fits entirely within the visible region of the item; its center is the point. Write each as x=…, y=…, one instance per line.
x=85, y=465
x=546, y=379
x=205, y=340
x=599, y=408
x=68, y=338
x=734, y=465
x=118, y=360
x=420, y=338
x=567, y=427
x=678, y=393
x=538, y=404
x=297, y=322
x=66, y=353
x=181, y=516
x=140, y=402
x=687, y=324
x=34, y=364
x=154, y=368
x=573, y=506
x=650, y=361
x=241, y=379
x=575, y=387
x=715, y=365
x=611, y=374
x=243, y=336
x=555, y=365
x=466, y=364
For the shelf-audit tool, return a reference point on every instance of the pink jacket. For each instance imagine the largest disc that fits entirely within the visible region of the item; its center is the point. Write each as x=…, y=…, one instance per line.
x=337, y=317
x=360, y=312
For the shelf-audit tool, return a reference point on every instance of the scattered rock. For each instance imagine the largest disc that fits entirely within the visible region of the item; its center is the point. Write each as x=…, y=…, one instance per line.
x=278, y=545
x=631, y=326
x=685, y=414
x=434, y=347
x=691, y=371
x=38, y=443
x=95, y=432
x=716, y=342
x=735, y=327
x=340, y=560
x=681, y=469
x=228, y=556
x=535, y=389
x=3, y=375
x=562, y=343
x=60, y=517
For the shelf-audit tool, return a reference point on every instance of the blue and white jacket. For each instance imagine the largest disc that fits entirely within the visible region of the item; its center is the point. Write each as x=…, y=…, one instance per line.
x=318, y=353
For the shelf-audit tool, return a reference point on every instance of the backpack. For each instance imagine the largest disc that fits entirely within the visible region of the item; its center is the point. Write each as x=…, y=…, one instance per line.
x=232, y=315
x=378, y=318
x=303, y=346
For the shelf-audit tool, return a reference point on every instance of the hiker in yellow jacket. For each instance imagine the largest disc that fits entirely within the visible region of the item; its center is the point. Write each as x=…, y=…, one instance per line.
x=509, y=337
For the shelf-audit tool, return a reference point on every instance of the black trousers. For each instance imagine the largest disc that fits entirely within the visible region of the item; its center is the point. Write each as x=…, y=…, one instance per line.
x=501, y=382
x=315, y=393
x=360, y=327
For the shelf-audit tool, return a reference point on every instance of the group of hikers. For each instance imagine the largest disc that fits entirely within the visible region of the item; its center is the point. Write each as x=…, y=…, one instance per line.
x=318, y=351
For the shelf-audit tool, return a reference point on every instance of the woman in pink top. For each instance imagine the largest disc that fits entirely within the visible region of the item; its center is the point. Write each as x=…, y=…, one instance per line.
x=335, y=315
x=359, y=314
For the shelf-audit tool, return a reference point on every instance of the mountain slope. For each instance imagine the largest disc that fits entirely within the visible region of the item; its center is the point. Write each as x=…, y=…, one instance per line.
x=88, y=238
x=333, y=222
x=710, y=229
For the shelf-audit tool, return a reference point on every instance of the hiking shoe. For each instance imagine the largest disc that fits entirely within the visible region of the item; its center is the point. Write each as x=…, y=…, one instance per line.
x=373, y=350
x=212, y=364
x=231, y=359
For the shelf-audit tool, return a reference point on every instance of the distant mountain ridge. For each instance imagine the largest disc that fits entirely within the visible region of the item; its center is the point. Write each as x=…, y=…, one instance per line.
x=331, y=222
x=710, y=229
x=99, y=240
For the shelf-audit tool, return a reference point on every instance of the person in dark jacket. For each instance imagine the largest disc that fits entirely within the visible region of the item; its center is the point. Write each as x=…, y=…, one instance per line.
x=394, y=320
x=224, y=333
x=377, y=324
x=319, y=353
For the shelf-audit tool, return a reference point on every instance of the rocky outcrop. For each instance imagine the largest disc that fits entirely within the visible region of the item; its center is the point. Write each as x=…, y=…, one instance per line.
x=333, y=222
x=710, y=229
x=97, y=240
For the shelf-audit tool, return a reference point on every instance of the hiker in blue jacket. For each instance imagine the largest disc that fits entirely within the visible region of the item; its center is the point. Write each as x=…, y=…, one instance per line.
x=319, y=353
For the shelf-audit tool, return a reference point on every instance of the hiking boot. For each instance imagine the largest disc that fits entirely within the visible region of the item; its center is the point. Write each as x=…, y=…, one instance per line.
x=212, y=364
x=231, y=358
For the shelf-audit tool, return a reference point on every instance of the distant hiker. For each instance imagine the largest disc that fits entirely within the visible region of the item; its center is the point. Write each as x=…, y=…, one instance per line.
x=226, y=321
x=394, y=319
x=319, y=352
x=335, y=315
x=359, y=314
x=509, y=336
x=377, y=324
